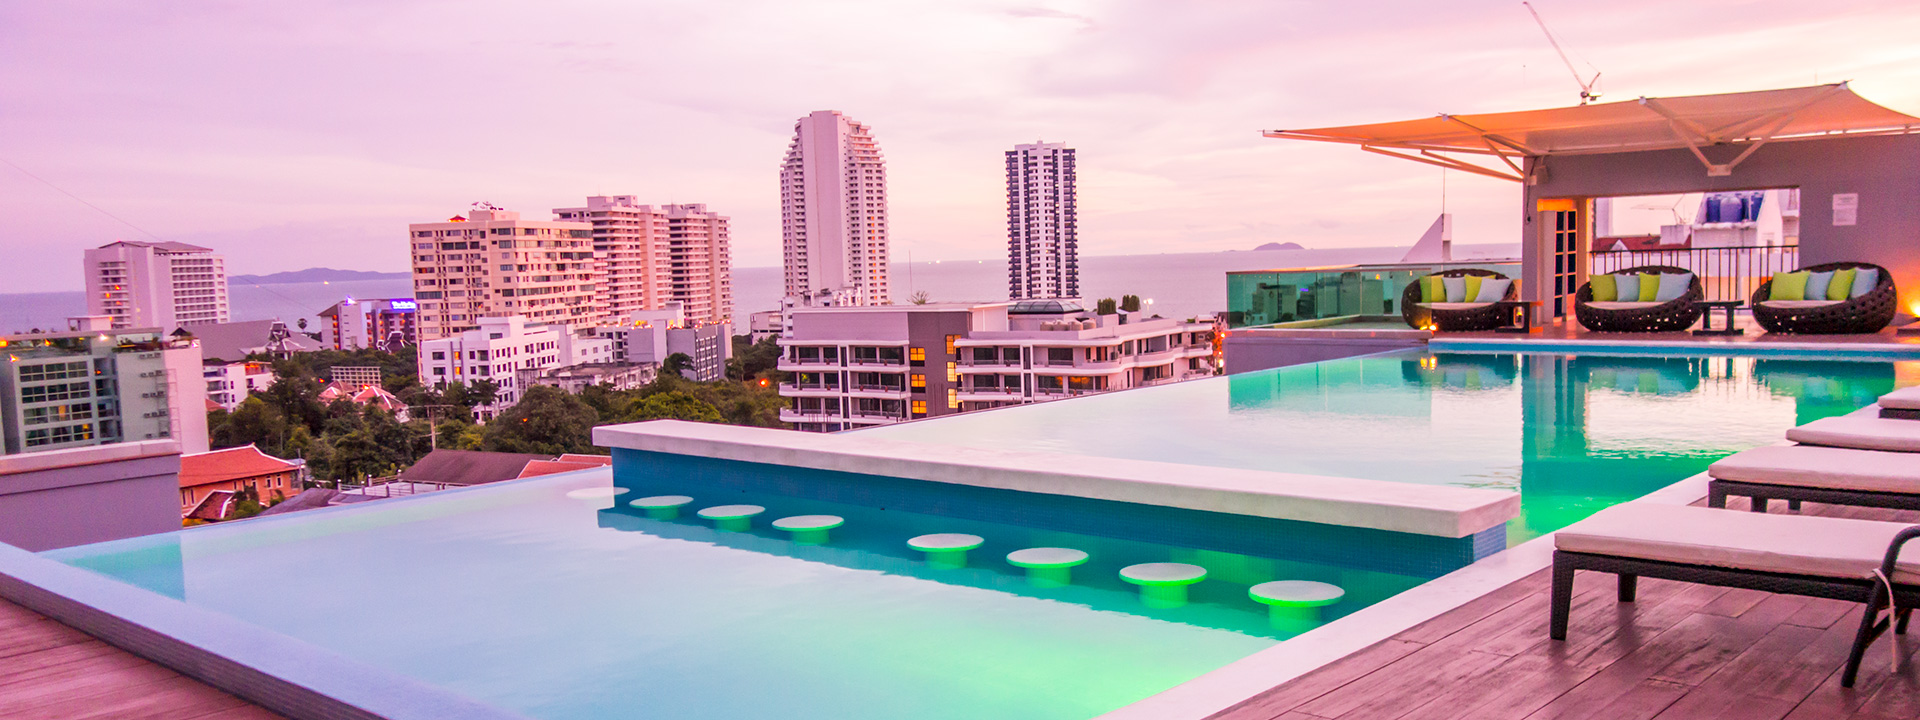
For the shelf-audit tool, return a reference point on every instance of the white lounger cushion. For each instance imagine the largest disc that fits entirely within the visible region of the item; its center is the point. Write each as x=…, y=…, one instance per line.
x=1902, y=399
x=1793, y=544
x=1822, y=467
x=1861, y=433
x=1610, y=305
x=1798, y=304
x=1454, y=305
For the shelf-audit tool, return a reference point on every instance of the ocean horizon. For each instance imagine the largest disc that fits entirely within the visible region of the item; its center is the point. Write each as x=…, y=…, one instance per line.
x=1178, y=284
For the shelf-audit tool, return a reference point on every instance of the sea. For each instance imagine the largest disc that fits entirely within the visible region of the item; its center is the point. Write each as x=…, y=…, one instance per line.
x=1177, y=284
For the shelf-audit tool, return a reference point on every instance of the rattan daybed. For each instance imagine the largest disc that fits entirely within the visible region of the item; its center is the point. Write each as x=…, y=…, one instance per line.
x=1455, y=317
x=1677, y=314
x=1864, y=314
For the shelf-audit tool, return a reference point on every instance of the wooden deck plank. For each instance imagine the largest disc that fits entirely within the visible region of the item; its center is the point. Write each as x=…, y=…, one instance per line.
x=1277, y=702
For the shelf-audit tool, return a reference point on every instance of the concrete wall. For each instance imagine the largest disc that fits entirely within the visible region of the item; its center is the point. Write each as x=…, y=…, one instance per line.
x=1884, y=171
x=62, y=498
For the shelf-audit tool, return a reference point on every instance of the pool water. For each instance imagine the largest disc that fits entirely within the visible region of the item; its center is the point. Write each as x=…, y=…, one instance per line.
x=563, y=607
x=1571, y=434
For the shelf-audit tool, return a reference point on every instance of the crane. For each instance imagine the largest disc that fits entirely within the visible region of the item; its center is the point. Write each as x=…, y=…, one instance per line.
x=1587, y=93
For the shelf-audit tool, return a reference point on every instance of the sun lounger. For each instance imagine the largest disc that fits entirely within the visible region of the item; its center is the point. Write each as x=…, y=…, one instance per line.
x=1860, y=433
x=1797, y=473
x=1902, y=404
x=1838, y=558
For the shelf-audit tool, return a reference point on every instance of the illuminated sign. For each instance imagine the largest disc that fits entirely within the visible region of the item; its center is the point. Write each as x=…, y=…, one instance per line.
x=403, y=304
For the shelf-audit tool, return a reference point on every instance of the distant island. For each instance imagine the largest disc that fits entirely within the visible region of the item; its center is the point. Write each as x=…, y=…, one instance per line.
x=1280, y=246
x=315, y=275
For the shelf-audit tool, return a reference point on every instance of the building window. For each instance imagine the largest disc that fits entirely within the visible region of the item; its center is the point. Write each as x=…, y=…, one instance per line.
x=951, y=339
x=919, y=408
x=953, y=398
x=953, y=371
x=917, y=356
x=919, y=382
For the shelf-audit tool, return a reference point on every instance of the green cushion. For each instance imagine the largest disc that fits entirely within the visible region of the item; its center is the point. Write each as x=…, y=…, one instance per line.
x=1790, y=286
x=1604, y=288
x=1649, y=286
x=1473, y=288
x=1841, y=285
x=1431, y=290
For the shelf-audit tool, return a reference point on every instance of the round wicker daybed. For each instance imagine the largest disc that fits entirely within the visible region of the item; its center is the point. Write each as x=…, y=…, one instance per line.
x=1677, y=314
x=1864, y=314
x=1474, y=316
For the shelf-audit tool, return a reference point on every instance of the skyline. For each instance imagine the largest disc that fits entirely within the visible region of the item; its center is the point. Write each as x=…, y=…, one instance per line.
x=289, y=138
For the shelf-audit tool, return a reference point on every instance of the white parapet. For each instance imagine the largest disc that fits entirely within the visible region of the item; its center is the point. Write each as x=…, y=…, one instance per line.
x=1436, y=510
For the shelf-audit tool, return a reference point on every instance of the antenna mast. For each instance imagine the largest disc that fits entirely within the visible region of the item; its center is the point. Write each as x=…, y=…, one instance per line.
x=1587, y=93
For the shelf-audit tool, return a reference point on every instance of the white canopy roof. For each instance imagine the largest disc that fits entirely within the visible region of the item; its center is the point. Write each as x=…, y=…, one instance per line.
x=1689, y=122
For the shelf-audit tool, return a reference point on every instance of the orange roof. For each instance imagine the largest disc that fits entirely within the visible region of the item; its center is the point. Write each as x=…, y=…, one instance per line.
x=597, y=460
x=551, y=467
x=230, y=464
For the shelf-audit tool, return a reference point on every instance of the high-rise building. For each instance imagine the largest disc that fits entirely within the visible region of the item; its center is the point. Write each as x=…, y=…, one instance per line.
x=387, y=324
x=492, y=263
x=164, y=285
x=833, y=213
x=1042, y=248
x=649, y=256
x=95, y=385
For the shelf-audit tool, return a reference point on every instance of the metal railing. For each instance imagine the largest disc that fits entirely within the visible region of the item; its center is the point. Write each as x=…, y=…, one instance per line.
x=1726, y=273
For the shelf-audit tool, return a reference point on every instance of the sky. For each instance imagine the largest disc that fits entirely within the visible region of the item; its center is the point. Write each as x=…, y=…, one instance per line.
x=294, y=135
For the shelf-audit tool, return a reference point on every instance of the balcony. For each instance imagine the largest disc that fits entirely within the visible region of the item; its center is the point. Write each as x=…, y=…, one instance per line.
x=790, y=415
x=809, y=389
x=876, y=417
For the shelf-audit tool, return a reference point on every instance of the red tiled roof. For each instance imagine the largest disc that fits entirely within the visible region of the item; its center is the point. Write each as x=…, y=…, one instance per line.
x=230, y=464
x=550, y=467
x=597, y=460
x=214, y=507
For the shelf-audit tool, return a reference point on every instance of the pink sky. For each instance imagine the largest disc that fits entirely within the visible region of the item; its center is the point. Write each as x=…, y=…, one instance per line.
x=296, y=135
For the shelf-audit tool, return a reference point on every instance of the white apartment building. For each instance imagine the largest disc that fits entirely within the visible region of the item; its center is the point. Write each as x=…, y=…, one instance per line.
x=860, y=366
x=229, y=383
x=833, y=213
x=96, y=385
x=649, y=256
x=648, y=337
x=492, y=263
x=498, y=348
x=164, y=285
x=1043, y=257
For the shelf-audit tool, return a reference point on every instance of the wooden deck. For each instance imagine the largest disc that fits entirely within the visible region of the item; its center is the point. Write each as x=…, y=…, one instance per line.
x=1682, y=651
x=49, y=670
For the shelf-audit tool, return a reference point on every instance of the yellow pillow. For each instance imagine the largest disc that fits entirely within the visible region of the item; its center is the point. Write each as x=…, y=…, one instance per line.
x=1432, y=290
x=1841, y=285
x=1473, y=288
x=1604, y=288
x=1649, y=286
x=1790, y=286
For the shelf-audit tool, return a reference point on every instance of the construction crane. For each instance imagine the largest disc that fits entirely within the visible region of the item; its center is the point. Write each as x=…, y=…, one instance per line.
x=1587, y=93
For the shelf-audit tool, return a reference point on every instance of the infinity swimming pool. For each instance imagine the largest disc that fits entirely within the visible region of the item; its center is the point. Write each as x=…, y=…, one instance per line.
x=1572, y=434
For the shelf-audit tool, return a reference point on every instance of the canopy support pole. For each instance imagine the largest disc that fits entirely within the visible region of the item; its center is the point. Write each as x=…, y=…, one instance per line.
x=1431, y=158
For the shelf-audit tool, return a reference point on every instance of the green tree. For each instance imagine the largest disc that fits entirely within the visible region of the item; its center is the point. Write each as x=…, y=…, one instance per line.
x=255, y=422
x=676, y=365
x=752, y=360
x=672, y=406
x=919, y=297
x=1105, y=307
x=1130, y=303
x=546, y=420
x=460, y=435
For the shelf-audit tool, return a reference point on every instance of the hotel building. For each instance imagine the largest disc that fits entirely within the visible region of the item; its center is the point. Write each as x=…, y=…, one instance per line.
x=491, y=262
x=96, y=385
x=164, y=285
x=1042, y=243
x=649, y=256
x=860, y=366
x=833, y=213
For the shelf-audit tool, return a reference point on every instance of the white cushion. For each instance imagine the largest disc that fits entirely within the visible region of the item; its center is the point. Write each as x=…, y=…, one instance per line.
x=1627, y=285
x=1902, y=399
x=1493, y=290
x=1864, y=281
x=1454, y=305
x=1793, y=544
x=1624, y=305
x=1817, y=285
x=1456, y=288
x=1822, y=467
x=1798, y=304
x=1672, y=286
x=1860, y=433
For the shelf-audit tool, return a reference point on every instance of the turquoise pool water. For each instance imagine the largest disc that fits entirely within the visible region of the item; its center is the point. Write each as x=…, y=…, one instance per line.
x=523, y=597
x=1572, y=434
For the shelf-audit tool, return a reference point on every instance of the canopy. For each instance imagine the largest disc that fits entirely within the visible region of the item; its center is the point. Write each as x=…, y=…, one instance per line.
x=1690, y=122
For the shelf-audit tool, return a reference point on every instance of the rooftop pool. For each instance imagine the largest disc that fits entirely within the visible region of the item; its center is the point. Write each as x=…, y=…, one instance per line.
x=1573, y=434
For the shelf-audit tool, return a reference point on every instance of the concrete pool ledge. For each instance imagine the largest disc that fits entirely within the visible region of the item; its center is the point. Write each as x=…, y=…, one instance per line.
x=1434, y=510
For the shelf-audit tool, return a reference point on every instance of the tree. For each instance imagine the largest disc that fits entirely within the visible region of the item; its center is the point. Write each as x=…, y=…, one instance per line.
x=752, y=360
x=253, y=422
x=546, y=420
x=1105, y=307
x=676, y=365
x=919, y=297
x=1130, y=303
x=672, y=406
x=483, y=392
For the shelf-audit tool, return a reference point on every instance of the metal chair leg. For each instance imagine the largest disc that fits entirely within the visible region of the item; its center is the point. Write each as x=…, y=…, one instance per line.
x=1628, y=585
x=1562, y=601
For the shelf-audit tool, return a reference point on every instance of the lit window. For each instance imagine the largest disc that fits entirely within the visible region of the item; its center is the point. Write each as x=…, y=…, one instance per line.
x=953, y=398
x=919, y=380
x=917, y=354
x=950, y=340
x=920, y=407
x=953, y=371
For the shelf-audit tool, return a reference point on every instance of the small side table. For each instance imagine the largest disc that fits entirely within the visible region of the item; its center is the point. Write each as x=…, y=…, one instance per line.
x=1706, y=322
x=1526, y=315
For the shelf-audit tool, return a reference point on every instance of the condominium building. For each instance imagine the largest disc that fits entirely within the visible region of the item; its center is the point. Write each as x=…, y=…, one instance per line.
x=833, y=213
x=387, y=324
x=492, y=263
x=96, y=385
x=164, y=285
x=649, y=337
x=497, y=348
x=860, y=366
x=650, y=255
x=229, y=383
x=1042, y=245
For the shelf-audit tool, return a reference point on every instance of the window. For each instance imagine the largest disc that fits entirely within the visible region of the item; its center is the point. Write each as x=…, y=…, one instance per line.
x=953, y=371
x=951, y=339
x=919, y=381
x=917, y=355
x=953, y=398
x=919, y=408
